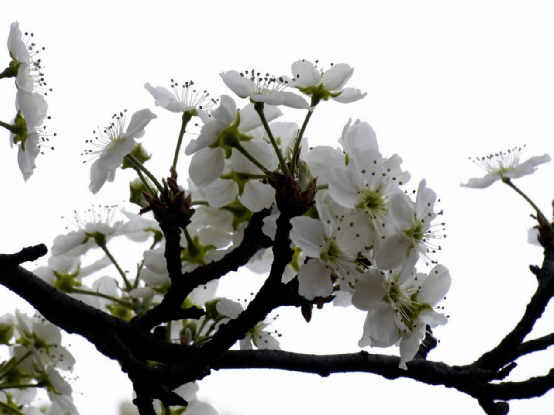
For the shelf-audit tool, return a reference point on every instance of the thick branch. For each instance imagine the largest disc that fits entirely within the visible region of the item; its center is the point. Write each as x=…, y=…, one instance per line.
x=507, y=350
x=254, y=240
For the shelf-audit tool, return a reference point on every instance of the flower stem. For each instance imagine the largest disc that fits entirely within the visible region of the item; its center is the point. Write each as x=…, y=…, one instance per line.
x=12, y=128
x=145, y=182
x=321, y=187
x=298, y=140
x=187, y=116
x=541, y=217
x=141, y=266
x=10, y=409
x=259, y=107
x=10, y=71
x=107, y=297
x=137, y=165
x=9, y=366
x=121, y=272
x=23, y=386
x=246, y=154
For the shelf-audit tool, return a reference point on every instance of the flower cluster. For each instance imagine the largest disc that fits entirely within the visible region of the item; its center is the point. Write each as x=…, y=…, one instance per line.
x=37, y=360
x=363, y=222
x=329, y=224
x=26, y=129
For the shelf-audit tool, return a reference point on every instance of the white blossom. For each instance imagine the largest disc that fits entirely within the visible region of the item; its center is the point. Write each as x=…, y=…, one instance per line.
x=332, y=244
x=262, y=88
x=184, y=98
x=326, y=84
x=257, y=335
x=504, y=165
x=114, y=144
x=415, y=236
x=400, y=304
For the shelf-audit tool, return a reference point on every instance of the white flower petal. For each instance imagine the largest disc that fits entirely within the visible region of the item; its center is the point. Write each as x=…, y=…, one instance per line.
x=207, y=165
x=314, y=280
x=337, y=76
x=349, y=95
x=257, y=196
x=308, y=234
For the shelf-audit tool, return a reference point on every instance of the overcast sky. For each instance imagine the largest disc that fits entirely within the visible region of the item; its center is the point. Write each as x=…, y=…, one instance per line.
x=445, y=80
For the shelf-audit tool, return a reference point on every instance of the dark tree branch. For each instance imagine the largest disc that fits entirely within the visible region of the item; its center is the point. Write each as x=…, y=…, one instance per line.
x=254, y=240
x=506, y=350
x=132, y=345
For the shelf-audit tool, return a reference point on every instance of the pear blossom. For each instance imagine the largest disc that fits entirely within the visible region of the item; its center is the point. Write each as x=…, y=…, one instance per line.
x=504, y=165
x=368, y=183
x=184, y=98
x=256, y=336
x=400, y=306
x=332, y=244
x=24, y=67
x=97, y=225
x=188, y=392
x=114, y=144
x=262, y=261
x=65, y=272
x=42, y=338
x=415, y=232
x=16, y=46
x=240, y=179
x=32, y=108
x=262, y=88
x=359, y=135
x=219, y=135
x=312, y=81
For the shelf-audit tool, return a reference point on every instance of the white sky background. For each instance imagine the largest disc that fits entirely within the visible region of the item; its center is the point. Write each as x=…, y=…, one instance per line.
x=445, y=80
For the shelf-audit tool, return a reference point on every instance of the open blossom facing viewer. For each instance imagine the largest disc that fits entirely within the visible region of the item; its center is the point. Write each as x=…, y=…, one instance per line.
x=504, y=165
x=114, y=144
x=400, y=306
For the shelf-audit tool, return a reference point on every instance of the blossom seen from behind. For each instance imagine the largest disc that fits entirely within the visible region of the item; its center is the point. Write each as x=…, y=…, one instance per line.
x=322, y=85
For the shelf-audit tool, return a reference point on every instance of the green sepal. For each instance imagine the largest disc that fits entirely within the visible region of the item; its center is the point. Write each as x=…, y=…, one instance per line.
x=120, y=311
x=19, y=129
x=295, y=263
x=304, y=175
x=318, y=93
x=240, y=213
x=195, y=252
x=12, y=70
x=66, y=282
x=312, y=213
x=211, y=309
x=6, y=332
x=137, y=190
x=140, y=153
x=240, y=179
x=230, y=138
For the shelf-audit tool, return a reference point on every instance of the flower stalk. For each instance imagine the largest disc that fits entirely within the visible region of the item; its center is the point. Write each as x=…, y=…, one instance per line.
x=187, y=116
x=259, y=107
x=540, y=215
x=137, y=165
